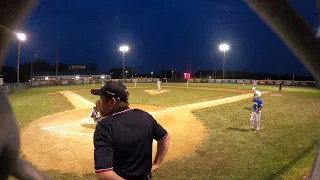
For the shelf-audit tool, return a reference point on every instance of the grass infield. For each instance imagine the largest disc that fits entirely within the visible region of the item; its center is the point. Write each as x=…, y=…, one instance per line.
x=175, y=97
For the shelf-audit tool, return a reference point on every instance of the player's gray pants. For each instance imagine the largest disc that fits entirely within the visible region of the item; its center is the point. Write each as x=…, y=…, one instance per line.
x=257, y=117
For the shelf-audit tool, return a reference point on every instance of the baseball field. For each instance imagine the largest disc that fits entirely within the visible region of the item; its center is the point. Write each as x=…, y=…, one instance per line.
x=209, y=127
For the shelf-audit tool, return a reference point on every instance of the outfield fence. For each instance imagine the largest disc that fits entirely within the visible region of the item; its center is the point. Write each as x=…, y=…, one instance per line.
x=14, y=87
x=195, y=80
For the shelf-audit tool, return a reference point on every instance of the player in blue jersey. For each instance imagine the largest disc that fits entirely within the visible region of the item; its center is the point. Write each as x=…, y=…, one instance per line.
x=256, y=114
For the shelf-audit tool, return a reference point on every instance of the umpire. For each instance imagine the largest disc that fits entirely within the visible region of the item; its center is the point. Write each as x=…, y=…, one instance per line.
x=123, y=138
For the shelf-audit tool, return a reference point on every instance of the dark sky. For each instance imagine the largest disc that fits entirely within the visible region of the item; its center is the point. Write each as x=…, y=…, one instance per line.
x=161, y=34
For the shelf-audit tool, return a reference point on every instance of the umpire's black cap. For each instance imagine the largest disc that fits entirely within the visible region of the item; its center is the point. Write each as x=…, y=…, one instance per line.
x=113, y=89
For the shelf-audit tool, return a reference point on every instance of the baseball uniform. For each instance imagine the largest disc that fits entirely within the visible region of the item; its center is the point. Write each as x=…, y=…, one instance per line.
x=159, y=85
x=254, y=87
x=280, y=87
x=257, y=103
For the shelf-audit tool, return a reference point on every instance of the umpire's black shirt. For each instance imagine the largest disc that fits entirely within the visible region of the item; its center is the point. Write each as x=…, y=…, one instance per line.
x=123, y=143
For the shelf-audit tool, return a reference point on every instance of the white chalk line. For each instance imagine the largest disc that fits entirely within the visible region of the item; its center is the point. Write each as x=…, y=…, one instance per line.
x=68, y=132
x=235, y=98
x=87, y=102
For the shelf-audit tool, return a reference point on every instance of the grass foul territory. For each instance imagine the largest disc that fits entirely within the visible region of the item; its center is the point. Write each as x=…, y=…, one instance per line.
x=30, y=106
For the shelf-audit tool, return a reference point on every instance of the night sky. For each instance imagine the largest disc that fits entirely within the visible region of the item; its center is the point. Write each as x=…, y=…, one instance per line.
x=161, y=34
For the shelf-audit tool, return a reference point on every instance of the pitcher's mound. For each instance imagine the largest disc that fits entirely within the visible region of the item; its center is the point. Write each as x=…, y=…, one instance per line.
x=156, y=92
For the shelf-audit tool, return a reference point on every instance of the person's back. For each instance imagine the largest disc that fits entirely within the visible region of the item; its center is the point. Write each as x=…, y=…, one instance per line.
x=123, y=139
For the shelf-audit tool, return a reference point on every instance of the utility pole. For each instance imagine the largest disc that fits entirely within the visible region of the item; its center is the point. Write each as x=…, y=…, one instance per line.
x=224, y=62
x=57, y=66
x=215, y=74
x=175, y=73
x=18, y=67
x=152, y=73
x=293, y=79
x=172, y=73
x=35, y=55
x=190, y=68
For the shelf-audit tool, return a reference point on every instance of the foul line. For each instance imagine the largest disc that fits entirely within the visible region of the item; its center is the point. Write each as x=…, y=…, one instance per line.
x=205, y=102
x=89, y=103
x=67, y=132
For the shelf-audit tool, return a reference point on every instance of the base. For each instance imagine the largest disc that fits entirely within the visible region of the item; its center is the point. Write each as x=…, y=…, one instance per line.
x=88, y=123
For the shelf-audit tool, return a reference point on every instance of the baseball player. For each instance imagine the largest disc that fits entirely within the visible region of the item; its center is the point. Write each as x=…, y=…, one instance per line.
x=280, y=87
x=254, y=87
x=95, y=114
x=256, y=114
x=159, y=85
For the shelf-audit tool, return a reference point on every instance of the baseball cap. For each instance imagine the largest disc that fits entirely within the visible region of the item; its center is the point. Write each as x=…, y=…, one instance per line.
x=113, y=89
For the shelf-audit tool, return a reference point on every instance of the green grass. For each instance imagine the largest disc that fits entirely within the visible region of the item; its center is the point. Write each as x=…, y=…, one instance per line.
x=176, y=96
x=284, y=149
x=30, y=106
x=34, y=103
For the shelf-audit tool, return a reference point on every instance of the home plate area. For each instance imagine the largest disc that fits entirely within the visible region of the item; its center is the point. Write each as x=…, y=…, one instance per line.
x=156, y=92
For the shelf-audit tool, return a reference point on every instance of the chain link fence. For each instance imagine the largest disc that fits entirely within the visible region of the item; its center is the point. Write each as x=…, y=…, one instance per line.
x=14, y=87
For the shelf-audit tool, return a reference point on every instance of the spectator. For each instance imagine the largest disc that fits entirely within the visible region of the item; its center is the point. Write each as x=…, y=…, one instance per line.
x=123, y=139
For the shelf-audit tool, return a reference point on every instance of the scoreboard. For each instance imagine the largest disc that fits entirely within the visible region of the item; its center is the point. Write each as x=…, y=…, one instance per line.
x=186, y=75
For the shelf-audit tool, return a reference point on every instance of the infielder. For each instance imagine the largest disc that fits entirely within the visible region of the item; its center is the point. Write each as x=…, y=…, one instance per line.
x=256, y=114
x=254, y=87
x=280, y=87
x=159, y=85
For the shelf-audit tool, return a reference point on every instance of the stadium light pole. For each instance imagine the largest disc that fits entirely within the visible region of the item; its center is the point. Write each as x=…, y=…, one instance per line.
x=21, y=37
x=35, y=55
x=224, y=48
x=123, y=49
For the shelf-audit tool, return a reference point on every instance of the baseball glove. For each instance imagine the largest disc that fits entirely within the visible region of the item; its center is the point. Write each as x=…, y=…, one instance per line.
x=249, y=109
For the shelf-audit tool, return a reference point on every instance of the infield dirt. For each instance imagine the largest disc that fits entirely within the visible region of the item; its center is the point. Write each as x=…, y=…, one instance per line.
x=59, y=149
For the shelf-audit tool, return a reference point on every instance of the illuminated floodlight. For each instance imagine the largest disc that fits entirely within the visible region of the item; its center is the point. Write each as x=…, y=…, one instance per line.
x=21, y=36
x=224, y=47
x=102, y=77
x=46, y=78
x=124, y=48
x=77, y=77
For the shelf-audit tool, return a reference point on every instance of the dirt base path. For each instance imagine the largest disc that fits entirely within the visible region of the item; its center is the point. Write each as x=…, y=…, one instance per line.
x=59, y=142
